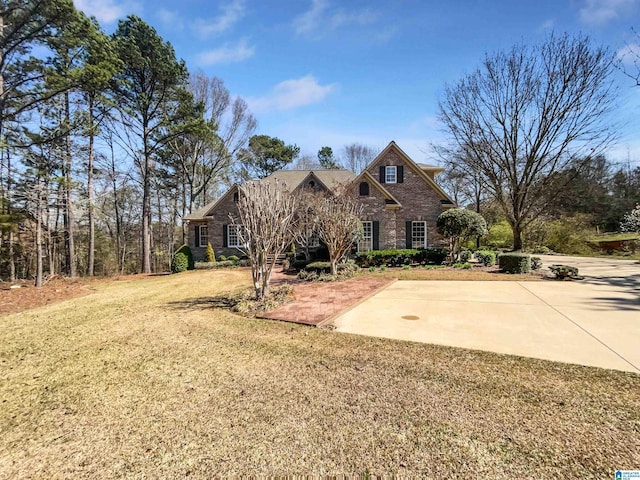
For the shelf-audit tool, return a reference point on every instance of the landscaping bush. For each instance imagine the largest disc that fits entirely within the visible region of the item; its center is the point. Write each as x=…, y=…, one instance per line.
x=399, y=257
x=486, y=257
x=465, y=255
x=299, y=264
x=180, y=263
x=222, y=258
x=465, y=266
x=185, y=250
x=318, y=267
x=536, y=263
x=515, y=262
x=435, y=256
x=209, y=255
x=233, y=258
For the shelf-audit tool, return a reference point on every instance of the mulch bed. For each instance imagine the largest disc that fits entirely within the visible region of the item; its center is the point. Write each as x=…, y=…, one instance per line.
x=23, y=296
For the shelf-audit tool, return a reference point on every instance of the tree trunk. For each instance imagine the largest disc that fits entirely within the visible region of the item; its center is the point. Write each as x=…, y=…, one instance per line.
x=38, y=282
x=90, y=193
x=517, y=236
x=334, y=266
x=146, y=207
x=70, y=255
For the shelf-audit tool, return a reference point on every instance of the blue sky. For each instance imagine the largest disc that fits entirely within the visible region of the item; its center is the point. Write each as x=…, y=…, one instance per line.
x=325, y=72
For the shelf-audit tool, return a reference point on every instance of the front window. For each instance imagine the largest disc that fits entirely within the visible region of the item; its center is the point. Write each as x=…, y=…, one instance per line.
x=314, y=241
x=202, y=235
x=365, y=244
x=418, y=234
x=233, y=236
x=390, y=174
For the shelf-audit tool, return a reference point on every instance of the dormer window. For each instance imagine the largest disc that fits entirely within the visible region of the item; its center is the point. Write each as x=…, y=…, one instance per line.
x=364, y=189
x=390, y=174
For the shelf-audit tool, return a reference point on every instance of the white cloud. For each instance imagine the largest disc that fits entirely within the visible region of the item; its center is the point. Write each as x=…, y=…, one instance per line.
x=226, y=54
x=629, y=54
x=600, y=12
x=106, y=11
x=320, y=18
x=547, y=24
x=291, y=94
x=170, y=19
x=230, y=14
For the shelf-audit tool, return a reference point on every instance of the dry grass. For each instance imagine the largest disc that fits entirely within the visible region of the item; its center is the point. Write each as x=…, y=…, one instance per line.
x=449, y=273
x=131, y=383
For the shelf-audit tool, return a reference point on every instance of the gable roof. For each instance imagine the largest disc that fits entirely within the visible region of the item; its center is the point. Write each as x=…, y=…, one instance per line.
x=292, y=179
x=418, y=169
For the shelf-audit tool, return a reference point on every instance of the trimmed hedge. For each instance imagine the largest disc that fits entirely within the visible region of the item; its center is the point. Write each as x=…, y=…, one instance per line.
x=515, y=262
x=180, y=263
x=399, y=257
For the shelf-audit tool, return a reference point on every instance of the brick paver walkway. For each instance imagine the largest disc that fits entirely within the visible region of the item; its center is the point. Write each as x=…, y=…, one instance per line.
x=318, y=302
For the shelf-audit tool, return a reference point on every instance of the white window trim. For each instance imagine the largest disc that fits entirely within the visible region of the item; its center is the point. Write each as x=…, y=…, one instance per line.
x=199, y=242
x=424, y=242
x=390, y=174
x=366, y=242
x=314, y=241
x=230, y=229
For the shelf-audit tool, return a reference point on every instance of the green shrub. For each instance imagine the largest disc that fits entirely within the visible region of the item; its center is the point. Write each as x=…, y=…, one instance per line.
x=465, y=265
x=406, y=267
x=180, y=263
x=536, y=263
x=399, y=257
x=209, y=255
x=515, y=262
x=233, y=258
x=184, y=249
x=486, y=257
x=435, y=256
x=372, y=269
x=542, y=250
x=222, y=258
x=465, y=255
x=318, y=267
x=383, y=268
x=299, y=264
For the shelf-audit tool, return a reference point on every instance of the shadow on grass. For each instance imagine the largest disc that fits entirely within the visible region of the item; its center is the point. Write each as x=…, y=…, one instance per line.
x=226, y=302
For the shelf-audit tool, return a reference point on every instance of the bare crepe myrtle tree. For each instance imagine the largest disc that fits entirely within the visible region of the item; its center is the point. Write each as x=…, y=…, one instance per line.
x=266, y=215
x=527, y=113
x=305, y=226
x=338, y=224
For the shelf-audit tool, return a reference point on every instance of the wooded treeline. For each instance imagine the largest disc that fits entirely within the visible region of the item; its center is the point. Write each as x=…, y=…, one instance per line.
x=106, y=142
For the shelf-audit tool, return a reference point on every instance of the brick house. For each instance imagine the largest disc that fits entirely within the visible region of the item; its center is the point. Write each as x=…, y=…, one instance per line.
x=401, y=203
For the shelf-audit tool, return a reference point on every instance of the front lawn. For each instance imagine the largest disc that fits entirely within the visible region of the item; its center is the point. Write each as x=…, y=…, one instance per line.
x=149, y=379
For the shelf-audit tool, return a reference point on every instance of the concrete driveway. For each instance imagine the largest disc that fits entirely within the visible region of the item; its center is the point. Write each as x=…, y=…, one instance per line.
x=595, y=321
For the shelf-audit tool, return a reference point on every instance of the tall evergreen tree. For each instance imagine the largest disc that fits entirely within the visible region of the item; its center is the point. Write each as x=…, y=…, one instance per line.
x=148, y=93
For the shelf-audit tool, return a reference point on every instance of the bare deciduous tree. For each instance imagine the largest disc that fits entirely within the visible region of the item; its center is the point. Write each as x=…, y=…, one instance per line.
x=338, y=224
x=266, y=210
x=357, y=156
x=525, y=114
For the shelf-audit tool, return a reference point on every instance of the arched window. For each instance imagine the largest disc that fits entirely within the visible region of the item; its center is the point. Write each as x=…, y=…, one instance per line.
x=235, y=196
x=312, y=184
x=364, y=189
